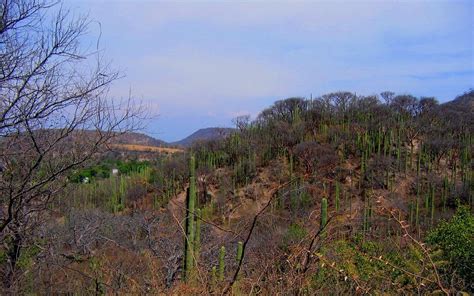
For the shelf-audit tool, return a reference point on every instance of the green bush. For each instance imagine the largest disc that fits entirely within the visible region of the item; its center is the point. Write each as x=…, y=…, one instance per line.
x=456, y=239
x=294, y=234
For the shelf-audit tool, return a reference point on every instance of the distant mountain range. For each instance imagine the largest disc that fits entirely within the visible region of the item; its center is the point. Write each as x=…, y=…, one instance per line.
x=204, y=134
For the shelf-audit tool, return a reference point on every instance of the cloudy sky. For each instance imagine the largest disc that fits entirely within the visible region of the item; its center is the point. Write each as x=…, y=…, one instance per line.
x=199, y=64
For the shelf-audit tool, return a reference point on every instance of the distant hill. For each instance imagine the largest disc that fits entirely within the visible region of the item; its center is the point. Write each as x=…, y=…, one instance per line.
x=464, y=102
x=138, y=139
x=148, y=143
x=132, y=138
x=204, y=134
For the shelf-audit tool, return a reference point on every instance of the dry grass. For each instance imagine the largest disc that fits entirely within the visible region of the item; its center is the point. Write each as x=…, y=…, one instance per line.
x=144, y=148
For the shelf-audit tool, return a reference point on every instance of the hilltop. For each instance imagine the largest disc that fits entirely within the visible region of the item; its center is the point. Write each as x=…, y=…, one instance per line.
x=463, y=103
x=204, y=134
x=138, y=139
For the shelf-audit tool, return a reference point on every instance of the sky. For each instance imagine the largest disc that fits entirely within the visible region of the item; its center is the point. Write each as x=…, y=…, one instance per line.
x=198, y=64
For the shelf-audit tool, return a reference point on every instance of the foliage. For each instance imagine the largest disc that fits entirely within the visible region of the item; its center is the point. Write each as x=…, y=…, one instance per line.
x=103, y=170
x=294, y=234
x=456, y=239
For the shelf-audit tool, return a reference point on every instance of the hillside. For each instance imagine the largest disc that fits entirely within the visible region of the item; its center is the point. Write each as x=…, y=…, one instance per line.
x=462, y=103
x=341, y=194
x=368, y=192
x=204, y=134
x=144, y=148
x=138, y=139
x=140, y=142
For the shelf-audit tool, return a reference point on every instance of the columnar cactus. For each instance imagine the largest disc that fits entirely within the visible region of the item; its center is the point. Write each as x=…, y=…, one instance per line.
x=432, y=205
x=427, y=201
x=292, y=185
x=190, y=202
x=365, y=221
x=221, y=263
x=367, y=214
x=324, y=214
x=240, y=251
x=417, y=213
x=197, y=235
x=445, y=192
x=122, y=192
x=418, y=164
x=214, y=275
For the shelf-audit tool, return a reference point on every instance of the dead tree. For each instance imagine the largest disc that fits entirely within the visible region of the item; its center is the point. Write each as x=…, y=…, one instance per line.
x=54, y=113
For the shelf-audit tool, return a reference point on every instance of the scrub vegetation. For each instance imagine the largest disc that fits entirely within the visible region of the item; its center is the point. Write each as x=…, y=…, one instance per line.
x=338, y=194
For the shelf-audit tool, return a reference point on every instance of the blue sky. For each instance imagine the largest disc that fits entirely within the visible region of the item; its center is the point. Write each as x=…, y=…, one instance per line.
x=198, y=64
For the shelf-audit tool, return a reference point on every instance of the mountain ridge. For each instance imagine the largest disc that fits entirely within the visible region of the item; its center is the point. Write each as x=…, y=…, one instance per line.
x=203, y=134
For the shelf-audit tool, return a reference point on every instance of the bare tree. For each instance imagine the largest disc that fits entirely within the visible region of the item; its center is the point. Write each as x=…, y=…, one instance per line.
x=387, y=96
x=241, y=122
x=54, y=113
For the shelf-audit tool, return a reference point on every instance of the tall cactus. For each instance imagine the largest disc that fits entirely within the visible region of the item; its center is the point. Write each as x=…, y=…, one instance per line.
x=197, y=236
x=122, y=192
x=445, y=192
x=418, y=163
x=337, y=196
x=432, y=205
x=240, y=252
x=214, y=275
x=365, y=221
x=221, y=263
x=417, y=214
x=190, y=202
x=324, y=215
x=293, y=195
